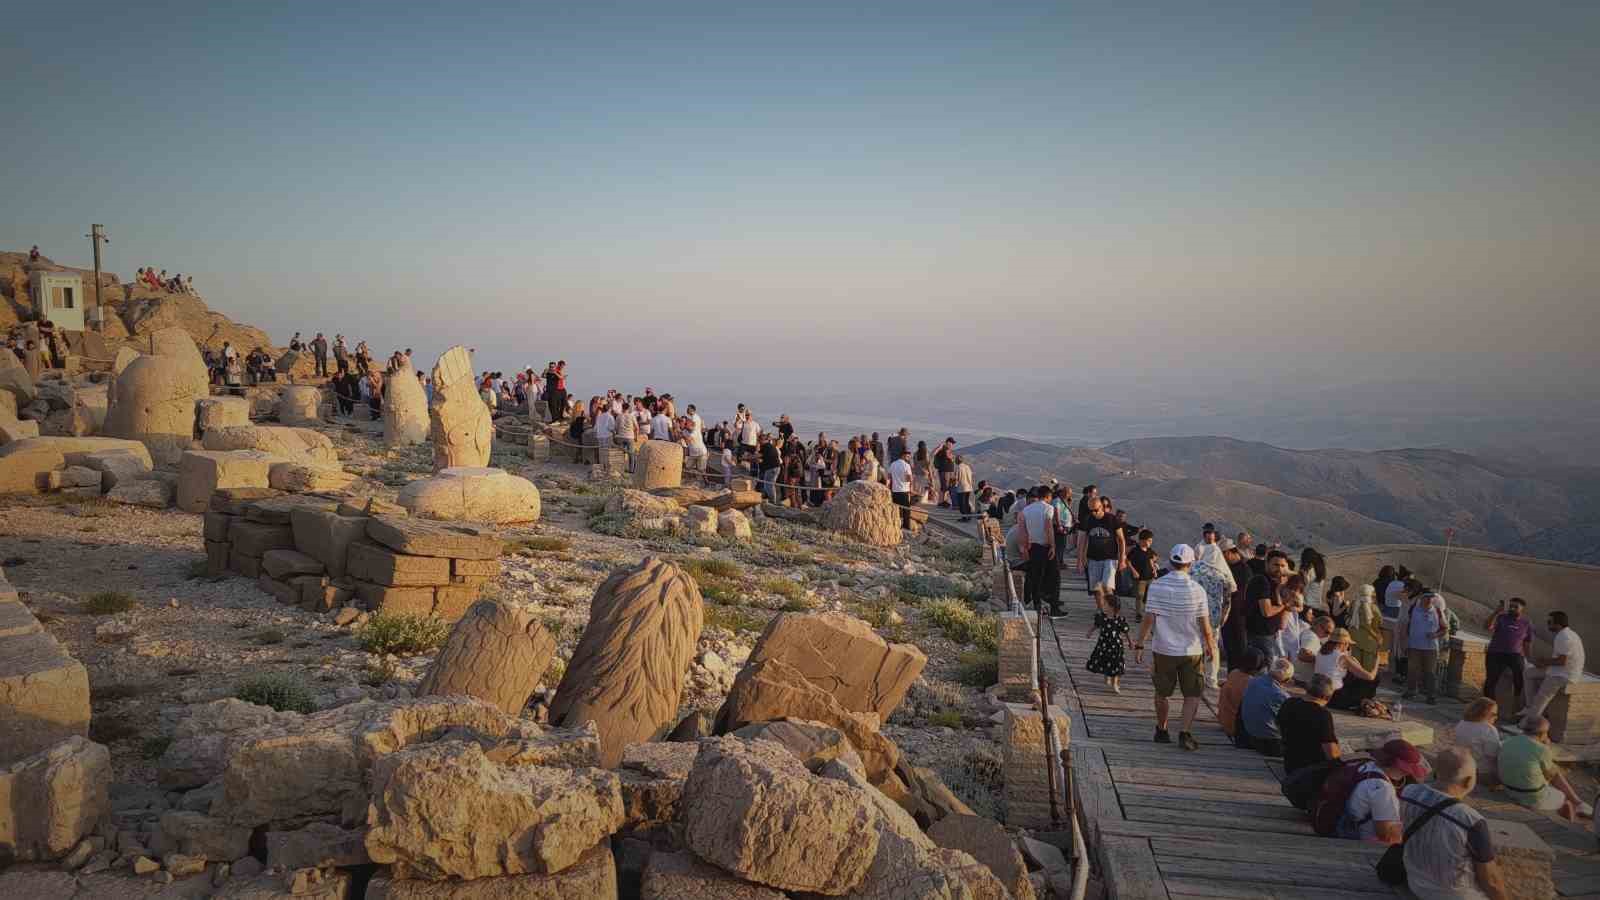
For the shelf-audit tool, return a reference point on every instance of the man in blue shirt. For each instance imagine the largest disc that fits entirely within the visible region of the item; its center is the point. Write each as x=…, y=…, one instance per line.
x=1259, y=709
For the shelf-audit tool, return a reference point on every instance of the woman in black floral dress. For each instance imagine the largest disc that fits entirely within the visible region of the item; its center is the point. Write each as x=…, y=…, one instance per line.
x=1106, y=658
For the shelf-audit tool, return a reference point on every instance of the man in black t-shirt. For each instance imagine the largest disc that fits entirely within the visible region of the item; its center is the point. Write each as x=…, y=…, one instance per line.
x=1307, y=727
x=1264, y=609
x=1102, y=549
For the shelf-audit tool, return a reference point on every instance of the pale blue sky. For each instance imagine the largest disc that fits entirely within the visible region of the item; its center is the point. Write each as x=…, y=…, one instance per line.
x=805, y=195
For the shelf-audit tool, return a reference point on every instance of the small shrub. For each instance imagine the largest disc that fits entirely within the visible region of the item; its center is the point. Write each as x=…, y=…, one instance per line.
x=797, y=605
x=543, y=543
x=961, y=553
x=877, y=613
x=786, y=588
x=945, y=718
x=555, y=623
x=282, y=692
x=960, y=623
x=270, y=636
x=107, y=603
x=402, y=634
x=153, y=748
x=720, y=580
x=712, y=566
x=732, y=618
x=979, y=669
x=377, y=674
x=976, y=779
x=927, y=586
x=554, y=672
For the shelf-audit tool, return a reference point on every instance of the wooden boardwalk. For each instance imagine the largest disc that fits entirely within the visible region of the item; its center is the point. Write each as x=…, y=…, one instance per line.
x=1165, y=823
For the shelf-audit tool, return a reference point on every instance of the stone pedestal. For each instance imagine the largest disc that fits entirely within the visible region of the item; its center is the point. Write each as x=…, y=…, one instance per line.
x=1574, y=714
x=538, y=447
x=1525, y=860
x=997, y=588
x=1464, y=670
x=1026, y=788
x=614, y=460
x=1019, y=667
x=591, y=446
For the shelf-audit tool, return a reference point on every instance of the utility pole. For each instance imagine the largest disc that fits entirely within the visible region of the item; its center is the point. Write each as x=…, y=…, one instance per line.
x=97, y=237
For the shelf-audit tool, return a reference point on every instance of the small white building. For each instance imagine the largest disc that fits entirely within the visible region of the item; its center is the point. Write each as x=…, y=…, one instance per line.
x=59, y=297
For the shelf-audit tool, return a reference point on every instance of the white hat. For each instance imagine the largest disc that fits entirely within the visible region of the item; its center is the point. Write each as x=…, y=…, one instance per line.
x=1182, y=554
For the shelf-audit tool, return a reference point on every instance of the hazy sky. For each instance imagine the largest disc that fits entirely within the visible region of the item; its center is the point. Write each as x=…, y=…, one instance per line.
x=810, y=195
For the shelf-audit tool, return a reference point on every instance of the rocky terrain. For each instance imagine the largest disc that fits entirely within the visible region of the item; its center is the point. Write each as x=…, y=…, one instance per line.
x=209, y=692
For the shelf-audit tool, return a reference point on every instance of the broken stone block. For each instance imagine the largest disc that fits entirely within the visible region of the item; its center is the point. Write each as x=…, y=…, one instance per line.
x=381, y=565
x=200, y=472
x=594, y=875
x=658, y=464
x=444, y=810
x=256, y=538
x=679, y=876
x=150, y=493
x=418, y=537
x=845, y=657
x=53, y=798
x=986, y=841
x=196, y=834
x=317, y=845
x=327, y=536
x=496, y=652
x=653, y=776
x=284, y=564
x=44, y=695
x=735, y=791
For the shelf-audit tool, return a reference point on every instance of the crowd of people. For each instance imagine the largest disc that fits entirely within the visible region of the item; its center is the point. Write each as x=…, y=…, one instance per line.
x=1297, y=644
x=148, y=277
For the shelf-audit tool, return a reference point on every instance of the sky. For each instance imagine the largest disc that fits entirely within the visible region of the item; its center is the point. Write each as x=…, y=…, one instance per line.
x=997, y=203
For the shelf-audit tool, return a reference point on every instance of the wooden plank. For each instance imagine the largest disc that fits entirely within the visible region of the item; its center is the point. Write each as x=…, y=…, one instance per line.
x=1151, y=795
x=1294, y=874
x=1307, y=845
x=1185, y=888
x=1130, y=869
x=1353, y=853
x=1201, y=761
x=1182, y=808
x=1198, y=820
x=1096, y=791
x=1231, y=781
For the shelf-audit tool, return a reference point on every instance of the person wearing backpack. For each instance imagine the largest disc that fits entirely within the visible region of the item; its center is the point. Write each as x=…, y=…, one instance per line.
x=1360, y=799
x=1448, y=851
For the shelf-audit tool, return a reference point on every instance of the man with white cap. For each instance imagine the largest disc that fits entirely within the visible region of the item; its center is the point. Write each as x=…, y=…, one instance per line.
x=1175, y=613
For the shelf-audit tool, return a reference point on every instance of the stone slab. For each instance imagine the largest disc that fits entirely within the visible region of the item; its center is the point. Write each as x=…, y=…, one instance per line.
x=381, y=565
x=418, y=537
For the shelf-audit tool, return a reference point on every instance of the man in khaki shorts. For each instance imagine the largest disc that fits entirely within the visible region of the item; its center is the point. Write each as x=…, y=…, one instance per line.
x=1175, y=615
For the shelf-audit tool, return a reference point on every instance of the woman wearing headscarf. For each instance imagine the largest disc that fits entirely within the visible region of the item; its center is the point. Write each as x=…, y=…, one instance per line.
x=1211, y=572
x=1366, y=627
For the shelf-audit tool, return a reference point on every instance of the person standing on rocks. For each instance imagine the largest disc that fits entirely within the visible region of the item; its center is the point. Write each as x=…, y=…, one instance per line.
x=319, y=354
x=341, y=354
x=624, y=430
x=769, y=460
x=1176, y=626
x=944, y=465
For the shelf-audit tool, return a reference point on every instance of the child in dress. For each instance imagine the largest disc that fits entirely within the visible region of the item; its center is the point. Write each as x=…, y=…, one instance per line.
x=1106, y=658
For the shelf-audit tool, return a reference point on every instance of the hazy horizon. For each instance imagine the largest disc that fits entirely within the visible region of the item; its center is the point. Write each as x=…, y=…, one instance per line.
x=1035, y=220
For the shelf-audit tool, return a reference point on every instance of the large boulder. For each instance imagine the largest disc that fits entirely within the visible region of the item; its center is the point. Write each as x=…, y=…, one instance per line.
x=771, y=689
x=443, y=810
x=25, y=465
x=15, y=380
x=752, y=809
x=594, y=875
x=459, y=424
x=496, y=652
x=640, y=505
x=680, y=876
x=176, y=344
x=653, y=775
x=472, y=494
x=117, y=467
x=865, y=511
x=405, y=408
x=44, y=692
x=845, y=657
x=202, y=741
x=658, y=464
x=53, y=798
x=906, y=862
x=303, y=477
x=988, y=842
x=12, y=430
x=300, y=404
x=318, y=765
x=200, y=472
x=76, y=451
x=628, y=668
x=154, y=404
x=284, y=441
x=220, y=412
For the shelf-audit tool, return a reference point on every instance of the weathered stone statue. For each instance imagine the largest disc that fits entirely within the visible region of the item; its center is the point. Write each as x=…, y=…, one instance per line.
x=154, y=405
x=865, y=511
x=460, y=426
x=495, y=653
x=628, y=669
x=405, y=408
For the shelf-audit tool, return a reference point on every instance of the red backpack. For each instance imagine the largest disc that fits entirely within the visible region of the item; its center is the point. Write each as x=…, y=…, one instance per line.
x=1327, y=810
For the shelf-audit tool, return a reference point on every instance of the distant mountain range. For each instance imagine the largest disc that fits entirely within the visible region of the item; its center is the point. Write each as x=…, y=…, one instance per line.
x=1322, y=498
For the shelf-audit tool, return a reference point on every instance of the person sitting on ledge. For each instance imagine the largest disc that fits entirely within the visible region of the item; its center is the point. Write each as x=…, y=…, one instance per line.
x=1263, y=697
x=1528, y=770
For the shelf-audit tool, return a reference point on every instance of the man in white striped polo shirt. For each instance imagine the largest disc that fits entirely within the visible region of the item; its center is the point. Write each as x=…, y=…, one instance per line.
x=1175, y=611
